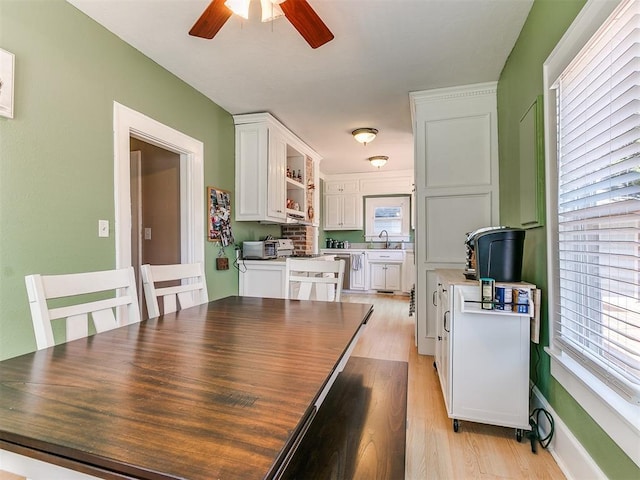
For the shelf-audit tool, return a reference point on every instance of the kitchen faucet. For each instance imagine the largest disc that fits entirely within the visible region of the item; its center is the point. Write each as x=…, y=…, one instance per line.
x=386, y=242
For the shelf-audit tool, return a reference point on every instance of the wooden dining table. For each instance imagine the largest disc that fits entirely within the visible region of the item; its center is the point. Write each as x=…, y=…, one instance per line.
x=224, y=390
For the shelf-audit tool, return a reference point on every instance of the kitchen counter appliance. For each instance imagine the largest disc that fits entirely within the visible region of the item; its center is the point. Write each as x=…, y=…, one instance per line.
x=284, y=247
x=259, y=250
x=495, y=252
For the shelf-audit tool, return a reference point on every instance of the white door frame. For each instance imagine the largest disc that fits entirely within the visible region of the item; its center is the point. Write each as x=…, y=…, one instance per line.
x=127, y=123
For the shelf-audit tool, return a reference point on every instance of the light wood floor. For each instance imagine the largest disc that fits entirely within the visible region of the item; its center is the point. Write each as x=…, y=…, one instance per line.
x=434, y=450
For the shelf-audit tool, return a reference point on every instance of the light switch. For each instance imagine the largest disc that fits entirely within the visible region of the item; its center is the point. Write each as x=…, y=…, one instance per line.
x=103, y=228
x=147, y=234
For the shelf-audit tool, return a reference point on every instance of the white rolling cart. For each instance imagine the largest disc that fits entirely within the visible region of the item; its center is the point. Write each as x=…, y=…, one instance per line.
x=482, y=356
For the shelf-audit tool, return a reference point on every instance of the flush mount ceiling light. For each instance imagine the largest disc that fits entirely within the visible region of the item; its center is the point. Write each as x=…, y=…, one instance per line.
x=378, y=161
x=364, y=135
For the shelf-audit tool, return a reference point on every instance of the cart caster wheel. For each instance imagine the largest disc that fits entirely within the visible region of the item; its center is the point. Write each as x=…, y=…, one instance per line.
x=519, y=434
x=456, y=425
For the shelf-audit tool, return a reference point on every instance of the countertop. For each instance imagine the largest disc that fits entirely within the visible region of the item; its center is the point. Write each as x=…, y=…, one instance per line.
x=336, y=251
x=456, y=277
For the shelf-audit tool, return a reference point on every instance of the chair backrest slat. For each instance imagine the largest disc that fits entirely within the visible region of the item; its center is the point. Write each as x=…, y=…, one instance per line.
x=314, y=279
x=121, y=309
x=192, y=289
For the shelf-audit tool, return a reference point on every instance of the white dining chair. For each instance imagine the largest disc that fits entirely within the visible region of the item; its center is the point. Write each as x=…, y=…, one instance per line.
x=308, y=279
x=119, y=308
x=179, y=285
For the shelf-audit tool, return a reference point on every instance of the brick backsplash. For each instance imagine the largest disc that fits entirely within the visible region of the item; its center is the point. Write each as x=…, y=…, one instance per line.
x=302, y=236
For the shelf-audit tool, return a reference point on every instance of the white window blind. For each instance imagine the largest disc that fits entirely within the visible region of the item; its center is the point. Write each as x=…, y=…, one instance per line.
x=598, y=121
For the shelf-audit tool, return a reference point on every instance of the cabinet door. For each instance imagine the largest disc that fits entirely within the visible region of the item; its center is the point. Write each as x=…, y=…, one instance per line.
x=352, y=212
x=333, y=206
x=377, y=280
x=332, y=187
x=276, y=177
x=264, y=280
x=393, y=277
x=358, y=276
x=445, y=310
x=341, y=186
x=436, y=300
x=251, y=172
x=408, y=272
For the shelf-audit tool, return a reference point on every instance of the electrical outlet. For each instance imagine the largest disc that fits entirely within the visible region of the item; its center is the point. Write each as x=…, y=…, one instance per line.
x=103, y=228
x=147, y=234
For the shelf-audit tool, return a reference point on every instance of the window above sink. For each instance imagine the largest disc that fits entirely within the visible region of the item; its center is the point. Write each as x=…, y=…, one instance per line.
x=387, y=218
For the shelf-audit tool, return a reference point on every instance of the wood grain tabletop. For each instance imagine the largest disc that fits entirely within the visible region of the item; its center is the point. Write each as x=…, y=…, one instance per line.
x=217, y=391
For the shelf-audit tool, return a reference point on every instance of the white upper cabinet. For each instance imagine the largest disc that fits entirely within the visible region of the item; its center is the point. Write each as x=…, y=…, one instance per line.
x=276, y=173
x=343, y=195
x=343, y=212
x=276, y=188
x=341, y=186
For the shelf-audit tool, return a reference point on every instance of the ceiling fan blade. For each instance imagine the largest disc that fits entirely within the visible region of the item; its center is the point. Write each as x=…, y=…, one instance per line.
x=307, y=22
x=211, y=20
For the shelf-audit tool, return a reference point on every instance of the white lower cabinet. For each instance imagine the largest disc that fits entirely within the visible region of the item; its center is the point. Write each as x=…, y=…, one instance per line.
x=385, y=276
x=482, y=356
x=385, y=269
x=408, y=272
x=358, y=279
x=262, y=278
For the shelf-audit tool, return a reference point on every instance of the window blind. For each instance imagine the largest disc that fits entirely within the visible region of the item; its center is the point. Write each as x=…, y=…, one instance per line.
x=598, y=122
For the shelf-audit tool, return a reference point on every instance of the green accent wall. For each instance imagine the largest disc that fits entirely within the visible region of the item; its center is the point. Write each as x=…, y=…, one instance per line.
x=56, y=167
x=519, y=85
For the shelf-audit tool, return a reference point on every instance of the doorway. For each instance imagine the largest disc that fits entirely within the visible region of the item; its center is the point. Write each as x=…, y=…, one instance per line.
x=130, y=125
x=155, y=209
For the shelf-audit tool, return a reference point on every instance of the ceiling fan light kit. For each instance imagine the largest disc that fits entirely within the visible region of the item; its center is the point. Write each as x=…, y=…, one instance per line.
x=378, y=161
x=239, y=7
x=299, y=13
x=364, y=135
x=271, y=10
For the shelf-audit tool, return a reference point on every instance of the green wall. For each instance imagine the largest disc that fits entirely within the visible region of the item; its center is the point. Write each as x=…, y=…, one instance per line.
x=56, y=168
x=519, y=84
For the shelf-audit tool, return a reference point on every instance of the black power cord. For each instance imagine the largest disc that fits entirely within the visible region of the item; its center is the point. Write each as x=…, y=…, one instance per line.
x=534, y=421
x=534, y=417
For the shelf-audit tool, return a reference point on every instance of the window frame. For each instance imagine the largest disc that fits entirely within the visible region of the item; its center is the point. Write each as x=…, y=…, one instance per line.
x=617, y=417
x=373, y=202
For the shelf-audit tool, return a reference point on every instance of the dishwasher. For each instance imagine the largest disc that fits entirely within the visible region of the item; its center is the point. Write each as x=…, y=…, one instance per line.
x=346, y=280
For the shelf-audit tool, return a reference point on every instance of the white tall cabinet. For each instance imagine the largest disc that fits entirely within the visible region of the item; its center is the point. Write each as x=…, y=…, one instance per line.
x=456, y=185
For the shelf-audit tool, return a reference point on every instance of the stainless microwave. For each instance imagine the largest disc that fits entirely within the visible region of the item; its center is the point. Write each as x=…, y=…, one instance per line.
x=260, y=250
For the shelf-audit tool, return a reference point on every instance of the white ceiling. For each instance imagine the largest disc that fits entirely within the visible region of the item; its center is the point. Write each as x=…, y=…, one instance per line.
x=382, y=50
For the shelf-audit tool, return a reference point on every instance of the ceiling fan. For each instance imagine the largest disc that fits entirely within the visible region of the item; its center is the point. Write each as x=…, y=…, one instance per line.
x=298, y=12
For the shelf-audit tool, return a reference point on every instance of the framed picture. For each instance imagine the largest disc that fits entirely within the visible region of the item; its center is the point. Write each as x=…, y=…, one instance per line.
x=219, y=215
x=6, y=83
x=531, y=133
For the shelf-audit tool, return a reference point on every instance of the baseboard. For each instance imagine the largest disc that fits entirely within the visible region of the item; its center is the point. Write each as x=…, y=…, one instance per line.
x=574, y=461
